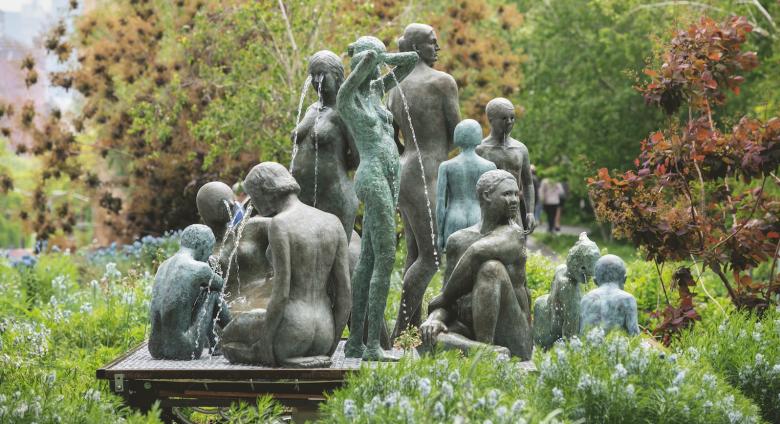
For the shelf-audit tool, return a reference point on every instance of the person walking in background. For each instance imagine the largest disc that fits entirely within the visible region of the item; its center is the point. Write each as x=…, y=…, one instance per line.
x=561, y=201
x=550, y=192
x=537, y=203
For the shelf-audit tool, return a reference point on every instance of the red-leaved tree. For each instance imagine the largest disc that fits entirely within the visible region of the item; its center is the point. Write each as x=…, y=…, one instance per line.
x=699, y=192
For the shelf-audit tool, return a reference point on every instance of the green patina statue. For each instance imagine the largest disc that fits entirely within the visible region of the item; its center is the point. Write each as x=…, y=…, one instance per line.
x=247, y=271
x=186, y=299
x=326, y=151
x=608, y=306
x=457, y=206
x=425, y=111
x=557, y=314
x=510, y=155
x=359, y=102
x=310, y=301
x=485, y=300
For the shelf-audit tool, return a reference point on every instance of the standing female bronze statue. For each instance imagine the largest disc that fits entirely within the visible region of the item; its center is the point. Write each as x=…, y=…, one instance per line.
x=359, y=102
x=326, y=151
x=432, y=100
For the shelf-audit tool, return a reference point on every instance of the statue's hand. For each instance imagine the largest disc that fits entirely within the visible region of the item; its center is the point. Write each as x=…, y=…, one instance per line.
x=531, y=222
x=431, y=329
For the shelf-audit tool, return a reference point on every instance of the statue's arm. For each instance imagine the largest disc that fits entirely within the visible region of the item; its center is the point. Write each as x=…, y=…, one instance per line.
x=404, y=64
x=632, y=327
x=362, y=71
x=353, y=157
x=341, y=293
x=461, y=280
x=528, y=188
x=280, y=246
x=451, y=109
x=441, y=205
x=207, y=278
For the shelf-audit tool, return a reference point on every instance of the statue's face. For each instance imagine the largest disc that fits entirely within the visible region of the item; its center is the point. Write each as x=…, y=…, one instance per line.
x=265, y=203
x=505, y=198
x=325, y=83
x=428, y=50
x=502, y=121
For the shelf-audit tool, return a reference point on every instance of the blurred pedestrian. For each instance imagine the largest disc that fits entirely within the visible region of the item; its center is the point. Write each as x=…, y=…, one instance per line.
x=537, y=203
x=550, y=192
x=561, y=202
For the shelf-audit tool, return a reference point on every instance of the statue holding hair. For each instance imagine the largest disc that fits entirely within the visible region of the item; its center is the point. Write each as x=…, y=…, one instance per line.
x=457, y=206
x=510, y=155
x=359, y=102
x=186, y=299
x=485, y=300
x=608, y=306
x=432, y=100
x=557, y=314
x=249, y=272
x=310, y=301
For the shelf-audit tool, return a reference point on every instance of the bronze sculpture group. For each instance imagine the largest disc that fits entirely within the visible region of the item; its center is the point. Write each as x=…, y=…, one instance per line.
x=283, y=285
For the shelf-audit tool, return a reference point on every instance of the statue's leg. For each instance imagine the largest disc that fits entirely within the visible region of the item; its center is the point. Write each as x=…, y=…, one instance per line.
x=419, y=273
x=307, y=362
x=543, y=336
x=220, y=316
x=379, y=221
x=454, y=341
x=199, y=332
x=361, y=279
x=498, y=317
x=239, y=336
x=411, y=244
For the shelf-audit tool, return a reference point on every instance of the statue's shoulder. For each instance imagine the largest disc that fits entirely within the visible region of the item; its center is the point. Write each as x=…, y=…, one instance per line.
x=444, y=81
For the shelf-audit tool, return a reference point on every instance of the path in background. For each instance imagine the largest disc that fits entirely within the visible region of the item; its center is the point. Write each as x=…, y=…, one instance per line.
x=535, y=246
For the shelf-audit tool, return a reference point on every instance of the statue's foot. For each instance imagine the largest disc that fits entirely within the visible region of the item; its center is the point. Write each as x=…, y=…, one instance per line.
x=501, y=350
x=238, y=353
x=307, y=362
x=377, y=354
x=354, y=348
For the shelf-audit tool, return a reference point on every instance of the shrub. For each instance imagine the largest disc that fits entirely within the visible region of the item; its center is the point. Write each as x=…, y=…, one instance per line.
x=446, y=388
x=744, y=350
x=621, y=380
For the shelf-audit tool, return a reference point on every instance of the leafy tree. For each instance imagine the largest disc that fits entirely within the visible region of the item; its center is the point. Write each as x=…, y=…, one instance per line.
x=701, y=192
x=179, y=93
x=583, y=59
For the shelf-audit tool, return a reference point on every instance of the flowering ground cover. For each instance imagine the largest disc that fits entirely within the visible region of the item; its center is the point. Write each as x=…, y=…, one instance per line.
x=65, y=314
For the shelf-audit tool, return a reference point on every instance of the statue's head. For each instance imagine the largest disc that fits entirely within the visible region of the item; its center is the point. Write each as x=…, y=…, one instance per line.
x=199, y=239
x=356, y=50
x=582, y=257
x=420, y=38
x=501, y=115
x=215, y=201
x=498, y=194
x=611, y=269
x=326, y=69
x=468, y=133
x=268, y=185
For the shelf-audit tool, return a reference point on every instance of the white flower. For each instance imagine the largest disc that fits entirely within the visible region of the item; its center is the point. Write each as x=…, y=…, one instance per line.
x=693, y=353
x=438, y=410
x=454, y=377
x=112, y=272
x=575, y=344
x=518, y=406
x=59, y=283
x=679, y=378
x=595, y=336
x=501, y=411
x=776, y=369
x=350, y=409
x=447, y=390
x=92, y=395
x=557, y=395
x=21, y=410
x=630, y=390
x=620, y=372
x=425, y=387
x=492, y=398
x=735, y=416
x=673, y=390
x=51, y=378
x=710, y=380
x=128, y=298
x=757, y=336
x=759, y=359
x=391, y=399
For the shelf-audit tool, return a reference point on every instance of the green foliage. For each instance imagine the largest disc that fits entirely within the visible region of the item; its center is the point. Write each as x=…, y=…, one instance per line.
x=744, y=350
x=626, y=380
x=615, y=380
x=698, y=191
